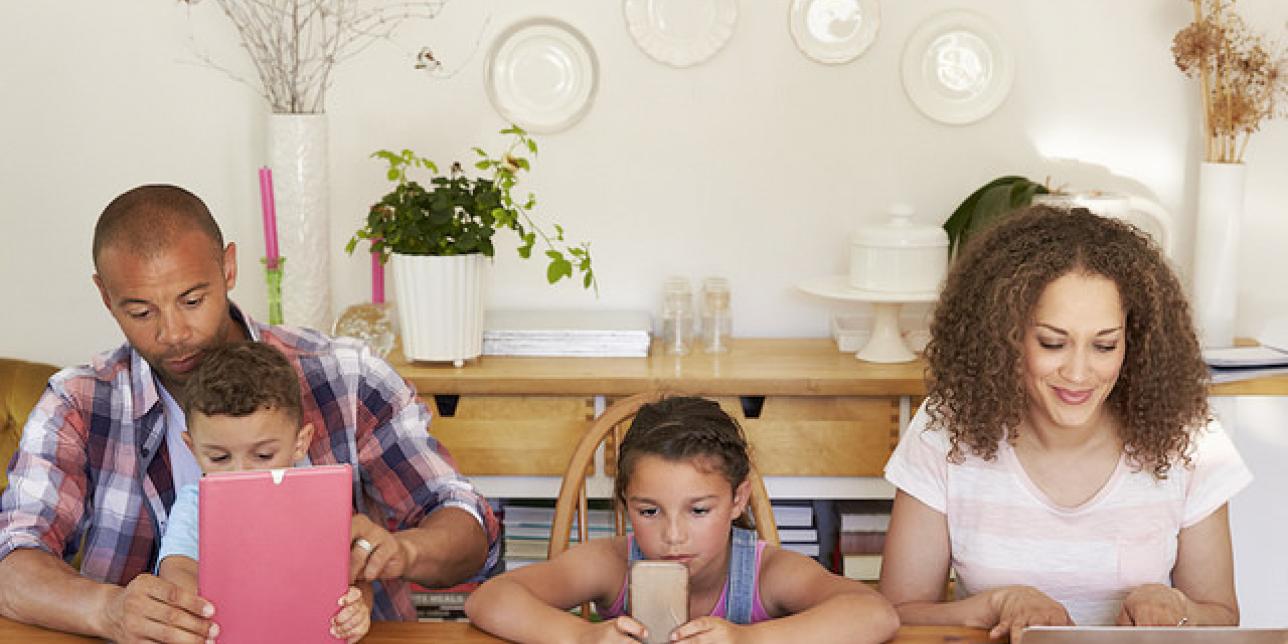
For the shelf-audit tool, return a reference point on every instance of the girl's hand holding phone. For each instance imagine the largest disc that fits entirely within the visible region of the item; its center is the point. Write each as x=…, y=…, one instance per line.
x=623, y=630
x=709, y=630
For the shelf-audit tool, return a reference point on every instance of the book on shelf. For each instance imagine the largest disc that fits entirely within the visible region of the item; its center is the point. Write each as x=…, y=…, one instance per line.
x=591, y=333
x=866, y=515
x=526, y=548
x=798, y=535
x=1230, y=364
x=807, y=549
x=862, y=543
x=793, y=515
x=861, y=567
x=441, y=604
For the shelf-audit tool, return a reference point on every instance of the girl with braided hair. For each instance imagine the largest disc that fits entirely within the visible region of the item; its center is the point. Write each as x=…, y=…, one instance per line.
x=682, y=476
x=1065, y=464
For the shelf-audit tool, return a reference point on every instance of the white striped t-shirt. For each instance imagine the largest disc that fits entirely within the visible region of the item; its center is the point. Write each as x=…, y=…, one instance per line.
x=1005, y=531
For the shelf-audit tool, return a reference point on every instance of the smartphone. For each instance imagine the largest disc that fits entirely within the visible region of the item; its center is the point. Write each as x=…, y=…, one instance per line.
x=659, y=597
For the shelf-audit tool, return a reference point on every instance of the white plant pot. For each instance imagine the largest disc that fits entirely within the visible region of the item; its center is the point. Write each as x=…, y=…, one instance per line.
x=440, y=305
x=1216, y=243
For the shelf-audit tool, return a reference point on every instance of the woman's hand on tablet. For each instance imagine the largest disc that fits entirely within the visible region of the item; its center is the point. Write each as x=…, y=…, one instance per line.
x=1154, y=605
x=1019, y=606
x=374, y=553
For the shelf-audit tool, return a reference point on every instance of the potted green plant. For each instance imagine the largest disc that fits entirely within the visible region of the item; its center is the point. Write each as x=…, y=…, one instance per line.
x=437, y=238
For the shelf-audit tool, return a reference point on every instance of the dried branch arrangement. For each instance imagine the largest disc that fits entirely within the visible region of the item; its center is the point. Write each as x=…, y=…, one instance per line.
x=295, y=44
x=1240, y=73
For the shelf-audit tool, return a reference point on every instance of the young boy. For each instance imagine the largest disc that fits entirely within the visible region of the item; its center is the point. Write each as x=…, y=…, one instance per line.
x=243, y=413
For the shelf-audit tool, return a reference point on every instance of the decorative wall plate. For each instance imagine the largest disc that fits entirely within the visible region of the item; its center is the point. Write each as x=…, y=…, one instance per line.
x=834, y=31
x=541, y=74
x=681, y=33
x=956, y=68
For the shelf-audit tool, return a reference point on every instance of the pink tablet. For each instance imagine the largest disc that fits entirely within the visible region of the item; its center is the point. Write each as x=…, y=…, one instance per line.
x=274, y=550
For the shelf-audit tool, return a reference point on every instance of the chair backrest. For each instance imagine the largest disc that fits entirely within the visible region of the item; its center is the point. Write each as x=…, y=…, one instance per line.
x=21, y=384
x=609, y=429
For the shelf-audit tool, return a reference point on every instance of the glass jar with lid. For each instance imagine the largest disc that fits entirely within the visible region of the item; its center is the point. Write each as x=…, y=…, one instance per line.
x=677, y=316
x=717, y=321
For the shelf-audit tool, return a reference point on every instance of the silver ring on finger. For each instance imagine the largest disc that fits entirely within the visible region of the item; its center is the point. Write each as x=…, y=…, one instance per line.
x=364, y=544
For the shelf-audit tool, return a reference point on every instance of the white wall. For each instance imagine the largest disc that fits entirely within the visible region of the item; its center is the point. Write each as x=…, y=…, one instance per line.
x=754, y=165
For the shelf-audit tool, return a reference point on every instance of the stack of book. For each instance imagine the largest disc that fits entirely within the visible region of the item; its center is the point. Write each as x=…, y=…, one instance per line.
x=797, y=529
x=441, y=604
x=525, y=527
x=862, y=537
x=1228, y=364
x=607, y=334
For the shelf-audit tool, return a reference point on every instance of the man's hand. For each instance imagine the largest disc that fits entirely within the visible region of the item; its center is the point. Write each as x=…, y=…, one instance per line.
x=374, y=553
x=153, y=609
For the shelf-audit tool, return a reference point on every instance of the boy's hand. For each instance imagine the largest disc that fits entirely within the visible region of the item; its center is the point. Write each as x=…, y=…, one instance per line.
x=622, y=630
x=374, y=553
x=709, y=630
x=354, y=619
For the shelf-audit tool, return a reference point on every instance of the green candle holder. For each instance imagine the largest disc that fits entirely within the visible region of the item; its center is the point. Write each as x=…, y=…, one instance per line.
x=274, y=278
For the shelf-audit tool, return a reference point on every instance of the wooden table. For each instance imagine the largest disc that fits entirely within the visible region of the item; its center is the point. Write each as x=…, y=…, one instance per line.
x=464, y=633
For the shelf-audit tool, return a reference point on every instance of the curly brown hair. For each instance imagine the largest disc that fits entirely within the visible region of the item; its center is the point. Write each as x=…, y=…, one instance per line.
x=241, y=378
x=975, y=358
x=685, y=428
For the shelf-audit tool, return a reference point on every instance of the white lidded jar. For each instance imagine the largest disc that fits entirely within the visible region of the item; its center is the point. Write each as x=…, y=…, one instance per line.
x=898, y=255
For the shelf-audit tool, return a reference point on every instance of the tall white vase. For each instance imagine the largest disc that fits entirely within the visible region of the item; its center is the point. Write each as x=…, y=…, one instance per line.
x=297, y=153
x=1216, y=242
x=440, y=305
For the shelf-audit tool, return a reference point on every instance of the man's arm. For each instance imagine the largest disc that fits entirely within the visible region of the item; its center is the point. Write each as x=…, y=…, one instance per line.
x=448, y=547
x=38, y=588
x=447, y=533
x=39, y=511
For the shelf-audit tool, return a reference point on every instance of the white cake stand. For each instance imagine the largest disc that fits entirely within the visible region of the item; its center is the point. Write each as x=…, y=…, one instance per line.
x=886, y=342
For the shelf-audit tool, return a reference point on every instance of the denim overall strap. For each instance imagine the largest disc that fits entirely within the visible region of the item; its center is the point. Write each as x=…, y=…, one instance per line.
x=742, y=577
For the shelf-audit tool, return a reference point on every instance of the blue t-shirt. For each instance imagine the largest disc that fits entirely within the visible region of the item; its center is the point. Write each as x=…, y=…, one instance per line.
x=181, y=530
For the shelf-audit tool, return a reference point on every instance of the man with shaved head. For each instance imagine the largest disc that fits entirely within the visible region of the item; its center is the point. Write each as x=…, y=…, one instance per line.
x=101, y=456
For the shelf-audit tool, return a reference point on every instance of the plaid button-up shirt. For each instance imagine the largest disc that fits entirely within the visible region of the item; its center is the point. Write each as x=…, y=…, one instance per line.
x=92, y=466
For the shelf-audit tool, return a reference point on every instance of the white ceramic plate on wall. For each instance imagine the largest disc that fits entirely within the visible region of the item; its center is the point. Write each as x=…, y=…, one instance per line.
x=681, y=33
x=956, y=68
x=833, y=31
x=541, y=74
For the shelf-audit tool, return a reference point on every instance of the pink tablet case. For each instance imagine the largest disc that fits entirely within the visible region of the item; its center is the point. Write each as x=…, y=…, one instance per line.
x=275, y=553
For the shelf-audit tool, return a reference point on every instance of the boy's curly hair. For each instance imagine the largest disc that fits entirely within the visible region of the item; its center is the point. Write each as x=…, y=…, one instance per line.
x=241, y=378
x=975, y=358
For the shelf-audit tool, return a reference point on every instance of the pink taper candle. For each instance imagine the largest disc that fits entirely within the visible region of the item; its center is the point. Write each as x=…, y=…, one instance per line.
x=377, y=279
x=270, y=216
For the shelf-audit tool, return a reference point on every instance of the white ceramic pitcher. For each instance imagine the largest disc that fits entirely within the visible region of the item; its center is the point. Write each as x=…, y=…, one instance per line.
x=1143, y=213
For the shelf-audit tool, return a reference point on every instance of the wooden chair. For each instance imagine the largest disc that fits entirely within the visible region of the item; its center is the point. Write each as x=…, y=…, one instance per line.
x=609, y=429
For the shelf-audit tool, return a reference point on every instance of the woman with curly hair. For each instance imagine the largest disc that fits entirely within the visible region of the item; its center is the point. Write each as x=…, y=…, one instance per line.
x=1065, y=464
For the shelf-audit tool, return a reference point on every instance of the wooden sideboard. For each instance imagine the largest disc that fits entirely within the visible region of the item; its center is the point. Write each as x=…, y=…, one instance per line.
x=808, y=409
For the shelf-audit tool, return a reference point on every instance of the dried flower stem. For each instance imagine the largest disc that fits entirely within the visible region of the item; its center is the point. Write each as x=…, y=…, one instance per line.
x=295, y=44
x=1241, y=77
